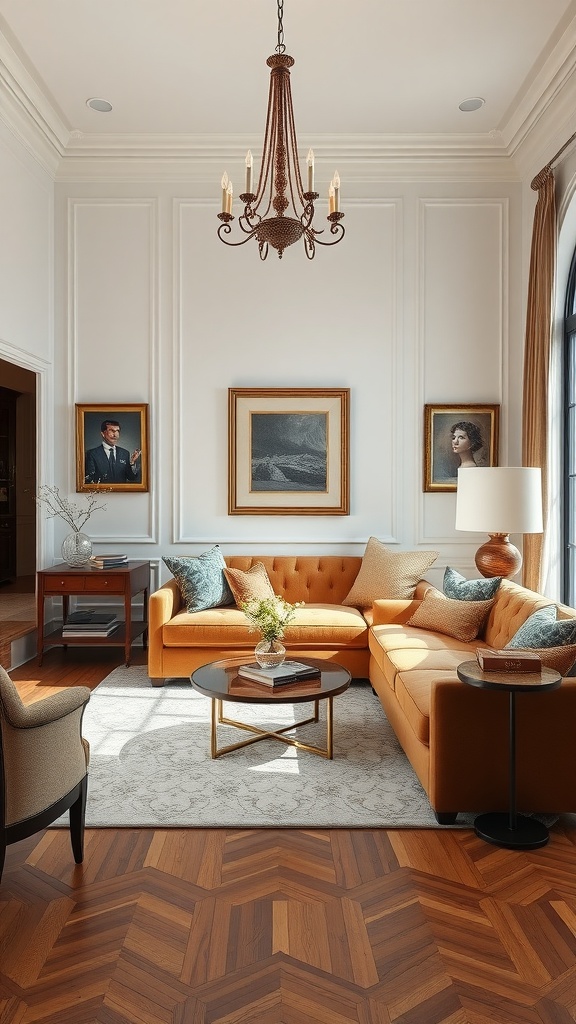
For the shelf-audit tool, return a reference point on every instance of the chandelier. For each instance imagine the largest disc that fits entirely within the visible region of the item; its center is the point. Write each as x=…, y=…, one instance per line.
x=280, y=212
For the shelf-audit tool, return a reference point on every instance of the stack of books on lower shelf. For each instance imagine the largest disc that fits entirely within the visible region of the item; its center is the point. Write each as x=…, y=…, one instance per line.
x=108, y=561
x=85, y=624
x=287, y=672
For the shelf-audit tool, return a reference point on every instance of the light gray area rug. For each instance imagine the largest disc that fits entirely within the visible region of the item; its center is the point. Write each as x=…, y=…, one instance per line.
x=150, y=763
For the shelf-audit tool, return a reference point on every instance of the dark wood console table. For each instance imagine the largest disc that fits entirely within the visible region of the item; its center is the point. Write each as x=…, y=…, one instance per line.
x=64, y=581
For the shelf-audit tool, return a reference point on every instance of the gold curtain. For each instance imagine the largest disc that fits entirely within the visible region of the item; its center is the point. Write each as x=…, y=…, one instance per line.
x=537, y=357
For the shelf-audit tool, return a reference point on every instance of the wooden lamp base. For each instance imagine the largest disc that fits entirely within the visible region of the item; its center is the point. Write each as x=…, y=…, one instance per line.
x=498, y=557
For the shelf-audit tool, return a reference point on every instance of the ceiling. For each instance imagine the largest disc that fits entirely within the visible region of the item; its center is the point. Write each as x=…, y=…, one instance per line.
x=396, y=68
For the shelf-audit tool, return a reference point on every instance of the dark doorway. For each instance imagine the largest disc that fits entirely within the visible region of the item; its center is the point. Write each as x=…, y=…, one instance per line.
x=17, y=506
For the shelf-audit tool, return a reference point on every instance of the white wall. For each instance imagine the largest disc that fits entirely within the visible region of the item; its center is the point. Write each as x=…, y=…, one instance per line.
x=419, y=303
x=27, y=301
x=26, y=253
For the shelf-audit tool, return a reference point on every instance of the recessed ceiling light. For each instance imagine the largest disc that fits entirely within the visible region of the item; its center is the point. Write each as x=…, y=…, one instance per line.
x=473, y=103
x=102, y=105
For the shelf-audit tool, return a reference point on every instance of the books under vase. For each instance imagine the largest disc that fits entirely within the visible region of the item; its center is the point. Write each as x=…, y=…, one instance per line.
x=278, y=675
x=108, y=561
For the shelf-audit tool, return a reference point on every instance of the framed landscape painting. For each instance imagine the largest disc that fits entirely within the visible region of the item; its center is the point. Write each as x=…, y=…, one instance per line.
x=458, y=436
x=112, y=447
x=288, y=451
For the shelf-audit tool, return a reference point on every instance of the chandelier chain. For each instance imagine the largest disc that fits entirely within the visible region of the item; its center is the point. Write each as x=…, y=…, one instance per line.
x=277, y=211
x=280, y=48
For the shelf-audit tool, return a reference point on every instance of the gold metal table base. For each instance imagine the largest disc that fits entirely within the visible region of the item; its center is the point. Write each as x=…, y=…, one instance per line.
x=217, y=718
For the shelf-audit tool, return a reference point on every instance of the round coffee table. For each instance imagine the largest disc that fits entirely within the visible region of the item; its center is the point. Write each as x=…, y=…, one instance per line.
x=220, y=681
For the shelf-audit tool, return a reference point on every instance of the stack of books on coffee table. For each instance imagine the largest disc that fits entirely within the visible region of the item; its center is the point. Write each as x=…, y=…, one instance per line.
x=84, y=624
x=287, y=672
x=108, y=561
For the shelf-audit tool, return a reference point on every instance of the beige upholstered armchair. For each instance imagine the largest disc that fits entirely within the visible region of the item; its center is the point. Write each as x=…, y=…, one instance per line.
x=43, y=764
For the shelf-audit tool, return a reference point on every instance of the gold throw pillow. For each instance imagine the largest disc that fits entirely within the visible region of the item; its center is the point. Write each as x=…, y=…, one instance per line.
x=559, y=658
x=252, y=585
x=386, y=574
x=461, y=619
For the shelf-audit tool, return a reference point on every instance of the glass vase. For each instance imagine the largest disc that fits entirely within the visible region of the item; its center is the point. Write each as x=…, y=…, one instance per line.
x=76, y=549
x=269, y=653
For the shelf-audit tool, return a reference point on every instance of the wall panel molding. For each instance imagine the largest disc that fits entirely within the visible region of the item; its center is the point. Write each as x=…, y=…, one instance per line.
x=392, y=229
x=493, y=382
x=80, y=391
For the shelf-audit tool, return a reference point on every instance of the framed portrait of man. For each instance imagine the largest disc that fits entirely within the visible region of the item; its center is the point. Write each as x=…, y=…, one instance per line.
x=457, y=436
x=112, y=447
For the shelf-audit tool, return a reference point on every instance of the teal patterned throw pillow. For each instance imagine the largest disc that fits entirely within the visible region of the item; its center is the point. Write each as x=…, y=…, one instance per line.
x=459, y=588
x=201, y=579
x=543, y=630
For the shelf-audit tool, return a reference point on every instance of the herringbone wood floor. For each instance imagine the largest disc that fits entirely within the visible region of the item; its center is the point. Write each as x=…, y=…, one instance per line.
x=282, y=926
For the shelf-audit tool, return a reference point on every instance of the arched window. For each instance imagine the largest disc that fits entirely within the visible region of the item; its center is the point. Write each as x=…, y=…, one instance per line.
x=569, y=401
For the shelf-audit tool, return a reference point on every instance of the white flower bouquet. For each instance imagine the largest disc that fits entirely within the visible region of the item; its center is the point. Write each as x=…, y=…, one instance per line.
x=270, y=615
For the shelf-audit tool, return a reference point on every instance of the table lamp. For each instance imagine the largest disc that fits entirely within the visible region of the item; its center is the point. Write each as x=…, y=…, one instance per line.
x=499, y=500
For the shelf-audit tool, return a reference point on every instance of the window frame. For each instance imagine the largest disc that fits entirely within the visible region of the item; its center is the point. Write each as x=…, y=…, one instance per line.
x=568, y=505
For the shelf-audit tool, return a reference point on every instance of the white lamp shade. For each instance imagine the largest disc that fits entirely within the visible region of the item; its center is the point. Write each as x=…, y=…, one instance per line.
x=499, y=499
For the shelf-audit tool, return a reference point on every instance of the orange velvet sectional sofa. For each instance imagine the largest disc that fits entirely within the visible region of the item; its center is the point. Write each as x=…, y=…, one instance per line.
x=455, y=736
x=180, y=641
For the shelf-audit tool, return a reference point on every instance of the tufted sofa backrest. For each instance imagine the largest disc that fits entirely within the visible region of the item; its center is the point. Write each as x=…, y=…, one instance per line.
x=323, y=579
x=512, y=606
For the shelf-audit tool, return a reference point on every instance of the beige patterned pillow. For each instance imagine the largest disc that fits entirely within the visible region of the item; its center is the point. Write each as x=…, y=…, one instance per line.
x=559, y=658
x=387, y=574
x=460, y=619
x=252, y=585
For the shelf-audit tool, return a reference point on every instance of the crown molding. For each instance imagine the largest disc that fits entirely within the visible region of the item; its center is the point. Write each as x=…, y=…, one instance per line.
x=74, y=156
x=196, y=159
x=28, y=114
x=545, y=88
x=210, y=147
x=554, y=127
x=409, y=168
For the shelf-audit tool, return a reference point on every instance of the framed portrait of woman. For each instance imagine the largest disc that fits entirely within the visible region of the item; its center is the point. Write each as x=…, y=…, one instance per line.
x=458, y=436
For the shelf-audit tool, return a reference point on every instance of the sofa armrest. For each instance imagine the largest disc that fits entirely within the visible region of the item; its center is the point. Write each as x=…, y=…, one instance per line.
x=469, y=747
x=389, y=610
x=163, y=605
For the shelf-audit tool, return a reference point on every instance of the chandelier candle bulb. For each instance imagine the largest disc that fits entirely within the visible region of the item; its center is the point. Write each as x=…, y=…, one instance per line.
x=336, y=184
x=310, y=164
x=229, y=198
x=249, y=163
x=224, y=184
x=331, y=199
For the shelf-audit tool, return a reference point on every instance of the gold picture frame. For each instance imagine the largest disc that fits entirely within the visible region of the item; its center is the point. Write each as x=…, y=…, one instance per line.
x=288, y=451
x=130, y=441
x=477, y=426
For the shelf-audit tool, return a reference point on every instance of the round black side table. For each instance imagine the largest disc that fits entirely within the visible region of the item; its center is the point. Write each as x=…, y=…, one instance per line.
x=512, y=830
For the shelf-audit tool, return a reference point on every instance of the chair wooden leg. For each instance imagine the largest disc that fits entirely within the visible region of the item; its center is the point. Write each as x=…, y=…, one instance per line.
x=3, y=845
x=77, y=818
